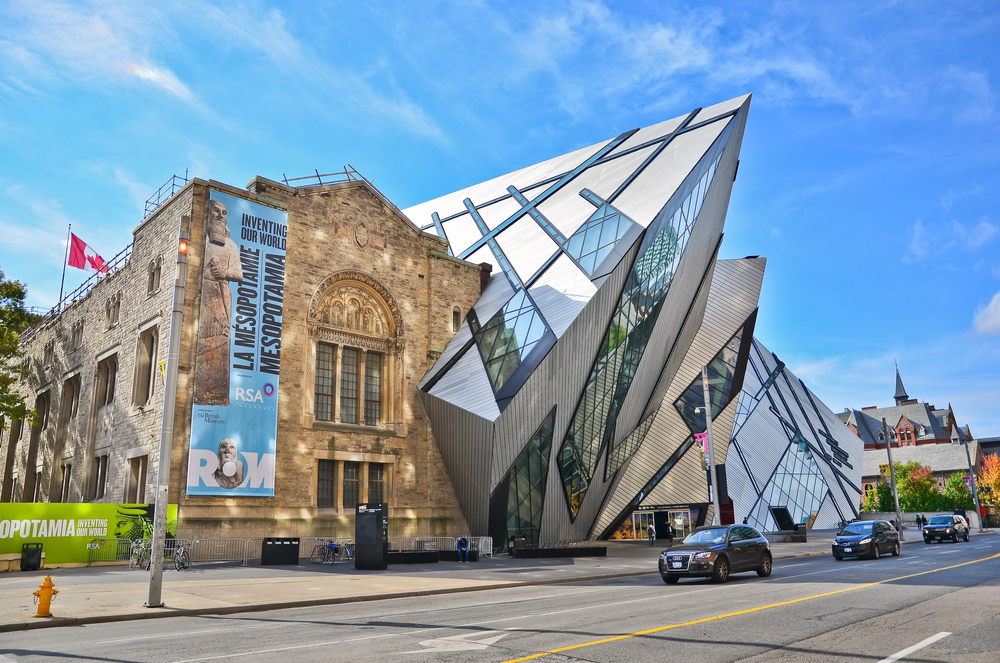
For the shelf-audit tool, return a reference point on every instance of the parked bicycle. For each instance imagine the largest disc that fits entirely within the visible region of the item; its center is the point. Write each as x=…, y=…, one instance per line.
x=182, y=556
x=141, y=555
x=325, y=552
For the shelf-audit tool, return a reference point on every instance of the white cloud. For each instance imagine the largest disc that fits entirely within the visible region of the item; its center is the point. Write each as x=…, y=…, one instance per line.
x=987, y=319
x=93, y=45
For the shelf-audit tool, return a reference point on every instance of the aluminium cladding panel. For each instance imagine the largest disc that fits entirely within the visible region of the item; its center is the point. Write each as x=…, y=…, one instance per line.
x=731, y=299
x=561, y=293
x=458, y=341
x=466, y=385
x=497, y=293
x=464, y=441
x=700, y=249
x=558, y=380
x=483, y=192
x=827, y=517
x=687, y=482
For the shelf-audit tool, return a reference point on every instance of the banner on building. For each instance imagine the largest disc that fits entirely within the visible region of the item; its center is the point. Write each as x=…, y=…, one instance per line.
x=65, y=530
x=234, y=420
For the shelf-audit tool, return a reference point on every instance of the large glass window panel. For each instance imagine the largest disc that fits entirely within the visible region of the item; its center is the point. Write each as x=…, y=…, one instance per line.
x=628, y=446
x=352, y=483
x=592, y=241
x=636, y=315
x=721, y=371
x=528, y=477
x=325, y=372
x=325, y=495
x=373, y=389
x=349, y=386
x=508, y=337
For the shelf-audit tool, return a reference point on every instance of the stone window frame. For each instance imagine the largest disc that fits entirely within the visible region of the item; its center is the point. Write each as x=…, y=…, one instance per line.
x=153, y=275
x=145, y=378
x=390, y=345
x=112, y=310
x=388, y=461
x=136, y=465
x=66, y=481
x=49, y=354
x=99, y=480
x=77, y=335
x=456, y=319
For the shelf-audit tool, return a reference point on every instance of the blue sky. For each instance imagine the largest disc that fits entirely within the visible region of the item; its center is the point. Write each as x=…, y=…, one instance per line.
x=869, y=174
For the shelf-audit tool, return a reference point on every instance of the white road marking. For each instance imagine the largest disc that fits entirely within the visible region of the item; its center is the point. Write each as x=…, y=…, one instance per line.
x=459, y=643
x=259, y=651
x=187, y=633
x=917, y=647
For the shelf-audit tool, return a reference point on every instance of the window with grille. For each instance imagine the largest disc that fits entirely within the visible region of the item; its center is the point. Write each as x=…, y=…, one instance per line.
x=325, y=487
x=352, y=483
x=100, y=476
x=376, y=482
x=373, y=389
x=67, y=471
x=349, y=386
x=326, y=357
x=145, y=367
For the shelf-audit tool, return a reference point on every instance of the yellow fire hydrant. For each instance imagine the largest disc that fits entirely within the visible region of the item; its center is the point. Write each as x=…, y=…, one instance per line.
x=43, y=597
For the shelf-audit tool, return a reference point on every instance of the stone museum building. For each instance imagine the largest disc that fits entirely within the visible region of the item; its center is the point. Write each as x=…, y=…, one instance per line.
x=520, y=358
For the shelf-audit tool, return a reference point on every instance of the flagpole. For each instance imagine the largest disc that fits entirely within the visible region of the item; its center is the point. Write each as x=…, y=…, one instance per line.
x=69, y=228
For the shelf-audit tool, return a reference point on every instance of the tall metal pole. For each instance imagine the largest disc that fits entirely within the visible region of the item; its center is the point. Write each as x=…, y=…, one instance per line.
x=711, y=453
x=892, y=477
x=69, y=240
x=975, y=490
x=167, y=423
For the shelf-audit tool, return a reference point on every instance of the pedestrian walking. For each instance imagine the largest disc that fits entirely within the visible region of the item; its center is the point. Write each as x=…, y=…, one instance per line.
x=920, y=522
x=651, y=533
x=463, y=549
x=670, y=535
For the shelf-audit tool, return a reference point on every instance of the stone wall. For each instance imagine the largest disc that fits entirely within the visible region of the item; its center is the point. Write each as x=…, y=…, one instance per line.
x=336, y=229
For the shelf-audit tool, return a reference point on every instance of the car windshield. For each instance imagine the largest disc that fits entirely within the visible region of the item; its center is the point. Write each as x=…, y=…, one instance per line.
x=855, y=529
x=941, y=520
x=716, y=535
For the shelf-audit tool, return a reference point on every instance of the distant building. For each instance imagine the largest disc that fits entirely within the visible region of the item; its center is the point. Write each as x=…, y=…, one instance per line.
x=918, y=431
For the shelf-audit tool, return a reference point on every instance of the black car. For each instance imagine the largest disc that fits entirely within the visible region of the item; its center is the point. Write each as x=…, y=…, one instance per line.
x=868, y=538
x=715, y=552
x=946, y=527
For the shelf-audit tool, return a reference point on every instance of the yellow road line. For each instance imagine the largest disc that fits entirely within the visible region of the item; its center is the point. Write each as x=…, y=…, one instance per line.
x=743, y=612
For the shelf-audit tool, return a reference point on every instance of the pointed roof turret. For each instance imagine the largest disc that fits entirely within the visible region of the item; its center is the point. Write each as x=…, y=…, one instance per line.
x=900, y=390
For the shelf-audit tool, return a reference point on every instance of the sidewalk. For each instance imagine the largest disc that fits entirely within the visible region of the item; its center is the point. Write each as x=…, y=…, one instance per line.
x=112, y=593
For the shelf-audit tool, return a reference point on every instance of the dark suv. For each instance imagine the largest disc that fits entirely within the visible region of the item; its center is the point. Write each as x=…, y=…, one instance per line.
x=866, y=538
x=946, y=527
x=715, y=552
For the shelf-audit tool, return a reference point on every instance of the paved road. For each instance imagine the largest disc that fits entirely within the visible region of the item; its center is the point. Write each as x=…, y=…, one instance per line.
x=811, y=609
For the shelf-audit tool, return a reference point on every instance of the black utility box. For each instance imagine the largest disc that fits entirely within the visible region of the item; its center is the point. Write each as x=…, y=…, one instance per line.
x=277, y=550
x=371, y=536
x=31, y=556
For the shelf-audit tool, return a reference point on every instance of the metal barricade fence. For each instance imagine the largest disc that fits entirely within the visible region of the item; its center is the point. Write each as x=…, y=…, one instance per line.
x=434, y=543
x=482, y=544
x=218, y=550
x=118, y=551
x=400, y=543
x=109, y=551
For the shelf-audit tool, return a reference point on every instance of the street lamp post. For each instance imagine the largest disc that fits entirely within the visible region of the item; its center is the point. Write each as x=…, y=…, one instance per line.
x=154, y=599
x=711, y=454
x=892, y=477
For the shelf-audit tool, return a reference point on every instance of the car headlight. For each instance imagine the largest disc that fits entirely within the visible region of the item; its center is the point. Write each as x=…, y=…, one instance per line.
x=704, y=555
x=864, y=541
x=949, y=530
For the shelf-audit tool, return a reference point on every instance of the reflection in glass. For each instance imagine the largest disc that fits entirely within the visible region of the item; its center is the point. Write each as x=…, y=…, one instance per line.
x=509, y=337
x=527, y=478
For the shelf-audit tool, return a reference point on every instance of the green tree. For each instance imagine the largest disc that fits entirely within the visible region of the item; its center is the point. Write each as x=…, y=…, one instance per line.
x=917, y=488
x=956, y=493
x=885, y=502
x=869, y=503
x=14, y=319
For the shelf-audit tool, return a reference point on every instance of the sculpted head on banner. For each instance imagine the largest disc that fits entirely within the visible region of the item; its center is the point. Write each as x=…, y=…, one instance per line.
x=230, y=471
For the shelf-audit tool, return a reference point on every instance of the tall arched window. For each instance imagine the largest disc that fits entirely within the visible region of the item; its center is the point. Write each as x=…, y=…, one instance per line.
x=357, y=330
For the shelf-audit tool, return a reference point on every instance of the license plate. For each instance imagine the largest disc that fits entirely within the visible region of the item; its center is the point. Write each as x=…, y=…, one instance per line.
x=847, y=550
x=675, y=565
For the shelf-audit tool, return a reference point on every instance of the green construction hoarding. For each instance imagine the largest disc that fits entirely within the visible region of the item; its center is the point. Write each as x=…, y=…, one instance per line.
x=65, y=530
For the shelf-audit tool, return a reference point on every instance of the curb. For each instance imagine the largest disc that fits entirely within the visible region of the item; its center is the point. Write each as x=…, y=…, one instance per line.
x=284, y=605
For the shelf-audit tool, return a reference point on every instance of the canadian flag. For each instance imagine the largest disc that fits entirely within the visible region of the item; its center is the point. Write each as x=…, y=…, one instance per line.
x=84, y=257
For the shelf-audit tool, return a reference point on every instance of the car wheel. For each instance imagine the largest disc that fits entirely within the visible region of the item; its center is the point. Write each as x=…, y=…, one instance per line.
x=670, y=580
x=954, y=537
x=721, y=572
x=895, y=550
x=966, y=536
x=839, y=558
x=764, y=570
x=927, y=541
x=875, y=551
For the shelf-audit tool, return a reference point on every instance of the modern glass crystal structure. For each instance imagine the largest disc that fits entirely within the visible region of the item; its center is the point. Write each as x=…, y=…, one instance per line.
x=789, y=450
x=603, y=260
